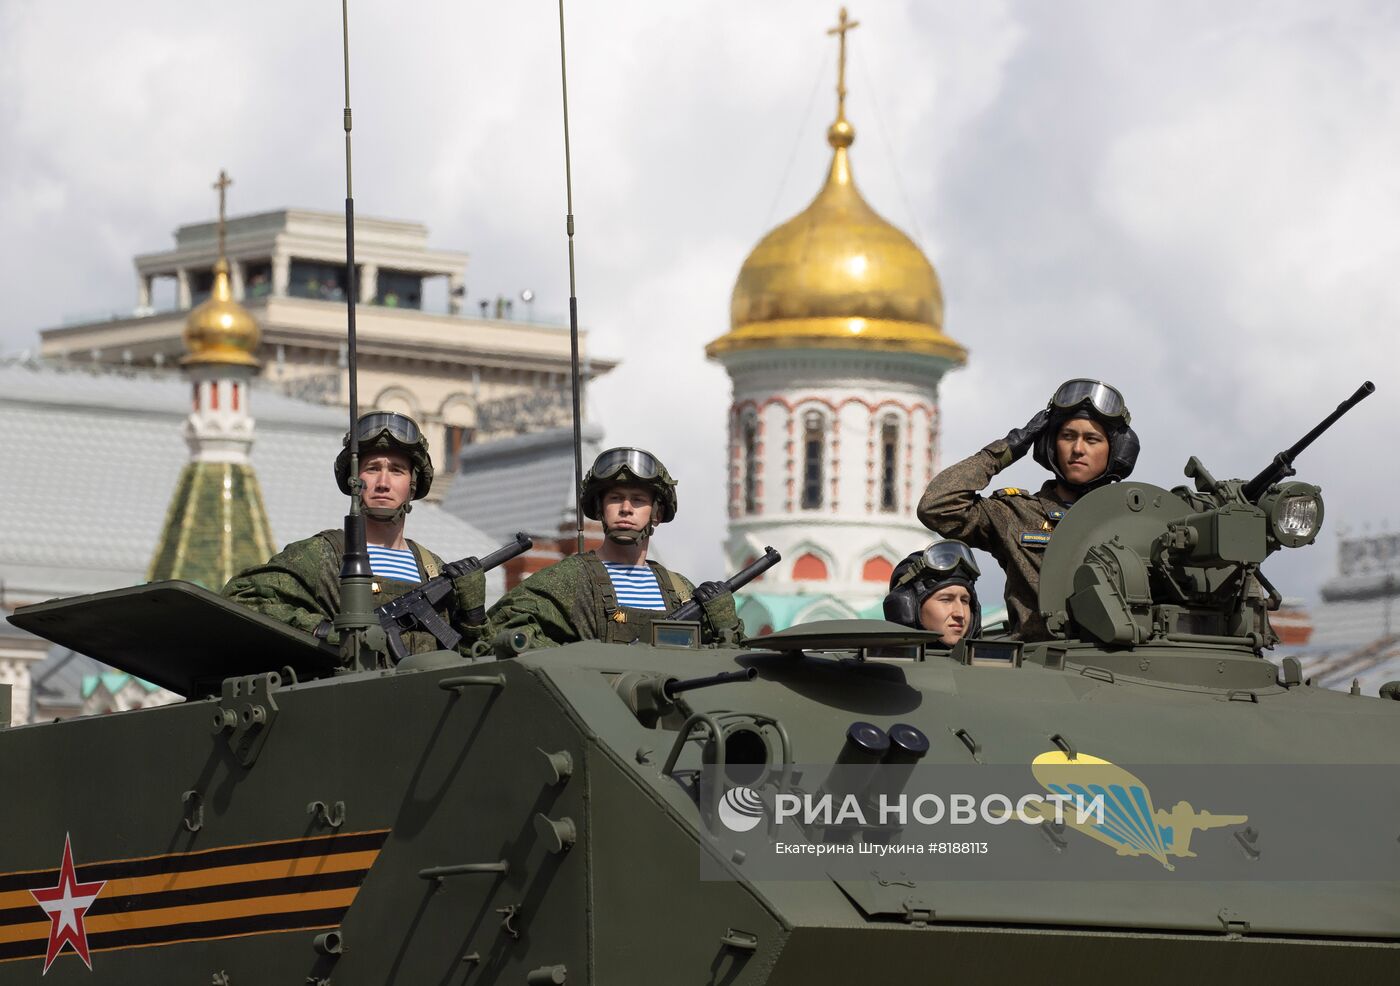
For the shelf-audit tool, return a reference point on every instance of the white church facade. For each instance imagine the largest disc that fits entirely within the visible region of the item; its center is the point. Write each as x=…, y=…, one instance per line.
x=835, y=351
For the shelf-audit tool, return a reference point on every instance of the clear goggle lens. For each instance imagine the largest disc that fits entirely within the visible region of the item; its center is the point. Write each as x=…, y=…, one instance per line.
x=641, y=464
x=400, y=427
x=1297, y=516
x=1102, y=397
x=945, y=557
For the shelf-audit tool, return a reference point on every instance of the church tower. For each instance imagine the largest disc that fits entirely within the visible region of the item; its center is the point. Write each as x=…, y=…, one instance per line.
x=216, y=524
x=835, y=351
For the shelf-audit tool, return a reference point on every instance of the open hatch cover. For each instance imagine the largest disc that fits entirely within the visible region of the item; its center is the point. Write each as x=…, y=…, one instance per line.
x=841, y=635
x=174, y=634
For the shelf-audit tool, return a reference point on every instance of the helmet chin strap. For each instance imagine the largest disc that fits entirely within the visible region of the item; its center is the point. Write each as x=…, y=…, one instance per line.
x=386, y=516
x=396, y=515
x=627, y=536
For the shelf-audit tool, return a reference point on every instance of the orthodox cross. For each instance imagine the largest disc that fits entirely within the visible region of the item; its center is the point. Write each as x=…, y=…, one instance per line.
x=843, y=25
x=222, y=185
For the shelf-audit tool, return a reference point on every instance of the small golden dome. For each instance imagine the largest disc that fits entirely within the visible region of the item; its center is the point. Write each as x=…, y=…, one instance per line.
x=220, y=330
x=837, y=275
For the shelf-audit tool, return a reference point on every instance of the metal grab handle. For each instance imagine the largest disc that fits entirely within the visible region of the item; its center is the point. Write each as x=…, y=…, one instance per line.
x=466, y=681
x=462, y=869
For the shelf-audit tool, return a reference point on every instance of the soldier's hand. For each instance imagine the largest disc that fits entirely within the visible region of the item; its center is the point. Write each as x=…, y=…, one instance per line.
x=469, y=592
x=454, y=569
x=1020, y=440
x=708, y=592
x=718, y=604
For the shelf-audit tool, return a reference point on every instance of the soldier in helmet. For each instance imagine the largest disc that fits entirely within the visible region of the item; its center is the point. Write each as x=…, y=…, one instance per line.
x=936, y=590
x=614, y=593
x=300, y=585
x=1083, y=437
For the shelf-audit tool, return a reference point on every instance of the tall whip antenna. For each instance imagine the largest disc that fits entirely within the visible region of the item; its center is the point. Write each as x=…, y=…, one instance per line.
x=350, y=256
x=573, y=294
x=362, y=641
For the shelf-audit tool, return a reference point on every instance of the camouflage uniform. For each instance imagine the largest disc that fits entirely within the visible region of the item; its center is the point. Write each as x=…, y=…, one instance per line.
x=1014, y=525
x=574, y=600
x=300, y=586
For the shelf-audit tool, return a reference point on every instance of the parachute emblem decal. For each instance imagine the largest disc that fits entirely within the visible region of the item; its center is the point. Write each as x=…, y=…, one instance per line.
x=1131, y=825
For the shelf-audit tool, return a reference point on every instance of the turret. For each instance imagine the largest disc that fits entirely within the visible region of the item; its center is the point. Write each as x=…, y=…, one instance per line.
x=1136, y=564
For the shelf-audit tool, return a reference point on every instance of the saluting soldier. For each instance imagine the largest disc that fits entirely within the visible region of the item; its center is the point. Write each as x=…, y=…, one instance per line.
x=936, y=590
x=612, y=594
x=300, y=585
x=1084, y=438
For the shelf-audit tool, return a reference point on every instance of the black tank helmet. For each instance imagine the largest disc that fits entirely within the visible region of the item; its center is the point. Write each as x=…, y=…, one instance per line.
x=1095, y=401
x=923, y=573
x=397, y=432
x=629, y=466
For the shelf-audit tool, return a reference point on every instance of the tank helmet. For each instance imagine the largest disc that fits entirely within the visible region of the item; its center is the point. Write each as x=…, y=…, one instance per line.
x=397, y=432
x=631, y=467
x=1096, y=401
x=923, y=573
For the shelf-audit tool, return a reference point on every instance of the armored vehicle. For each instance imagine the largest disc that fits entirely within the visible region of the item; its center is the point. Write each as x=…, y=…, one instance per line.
x=568, y=814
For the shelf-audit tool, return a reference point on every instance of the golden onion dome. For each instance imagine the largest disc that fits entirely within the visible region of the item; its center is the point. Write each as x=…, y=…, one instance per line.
x=838, y=276
x=220, y=330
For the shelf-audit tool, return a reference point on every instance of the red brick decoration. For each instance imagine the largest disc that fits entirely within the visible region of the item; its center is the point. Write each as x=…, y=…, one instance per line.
x=877, y=569
x=809, y=568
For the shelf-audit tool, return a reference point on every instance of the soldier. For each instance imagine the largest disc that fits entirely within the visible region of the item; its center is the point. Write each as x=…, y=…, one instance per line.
x=612, y=594
x=1084, y=438
x=300, y=585
x=936, y=590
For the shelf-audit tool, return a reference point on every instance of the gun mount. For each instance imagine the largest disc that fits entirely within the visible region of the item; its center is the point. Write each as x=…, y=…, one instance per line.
x=1136, y=566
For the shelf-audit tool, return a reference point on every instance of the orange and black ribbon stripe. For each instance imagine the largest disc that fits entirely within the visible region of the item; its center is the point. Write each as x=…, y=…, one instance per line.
x=215, y=893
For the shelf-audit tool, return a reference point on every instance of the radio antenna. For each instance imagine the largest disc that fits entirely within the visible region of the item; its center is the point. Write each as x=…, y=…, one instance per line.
x=355, y=622
x=573, y=294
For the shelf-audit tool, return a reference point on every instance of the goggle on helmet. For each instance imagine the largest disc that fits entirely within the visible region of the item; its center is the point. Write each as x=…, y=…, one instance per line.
x=1104, y=403
x=939, y=561
x=617, y=466
x=921, y=574
x=390, y=429
x=1103, y=399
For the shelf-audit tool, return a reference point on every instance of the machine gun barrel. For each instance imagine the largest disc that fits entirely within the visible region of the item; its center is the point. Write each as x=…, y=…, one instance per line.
x=1283, y=462
x=417, y=609
x=674, y=686
x=495, y=559
x=692, y=609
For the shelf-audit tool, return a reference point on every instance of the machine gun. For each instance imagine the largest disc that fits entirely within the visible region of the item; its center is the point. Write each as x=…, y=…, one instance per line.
x=1282, y=466
x=416, y=610
x=692, y=608
x=1131, y=564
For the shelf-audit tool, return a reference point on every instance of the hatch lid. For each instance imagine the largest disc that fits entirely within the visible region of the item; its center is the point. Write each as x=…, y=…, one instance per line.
x=174, y=634
x=842, y=635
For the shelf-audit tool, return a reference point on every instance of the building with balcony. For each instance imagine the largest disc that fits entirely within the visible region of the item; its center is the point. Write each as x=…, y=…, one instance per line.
x=466, y=372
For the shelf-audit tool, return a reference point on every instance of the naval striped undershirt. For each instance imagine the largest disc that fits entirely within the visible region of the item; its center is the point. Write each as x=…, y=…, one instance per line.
x=393, y=563
x=635, y=586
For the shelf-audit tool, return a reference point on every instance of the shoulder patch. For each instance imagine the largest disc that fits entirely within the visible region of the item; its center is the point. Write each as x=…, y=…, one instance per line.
x=1035, y=538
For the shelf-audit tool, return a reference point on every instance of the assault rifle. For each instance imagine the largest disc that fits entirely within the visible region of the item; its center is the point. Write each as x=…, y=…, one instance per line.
x=692, y=609
x=416, y=610
x=1282, y=466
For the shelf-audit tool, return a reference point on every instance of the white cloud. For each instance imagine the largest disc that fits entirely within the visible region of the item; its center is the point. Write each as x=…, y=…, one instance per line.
x=1197, y=202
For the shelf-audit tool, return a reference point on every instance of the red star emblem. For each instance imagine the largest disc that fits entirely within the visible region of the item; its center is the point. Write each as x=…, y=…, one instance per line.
x=65, y=905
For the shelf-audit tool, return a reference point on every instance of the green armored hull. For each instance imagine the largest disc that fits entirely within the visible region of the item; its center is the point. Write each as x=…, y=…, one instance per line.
x=514, y=821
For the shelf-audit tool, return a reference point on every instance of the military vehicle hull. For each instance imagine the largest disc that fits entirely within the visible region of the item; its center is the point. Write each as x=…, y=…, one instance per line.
x=422, y=826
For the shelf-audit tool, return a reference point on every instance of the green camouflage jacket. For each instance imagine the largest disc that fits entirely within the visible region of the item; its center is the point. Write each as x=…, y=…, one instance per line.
x=573, y=600
x=300, y=586
x=1013, y=524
